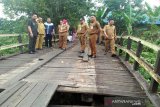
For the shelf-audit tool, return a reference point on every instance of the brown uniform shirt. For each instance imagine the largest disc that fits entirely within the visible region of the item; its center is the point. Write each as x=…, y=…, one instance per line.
x=82, y=28
x=110, y=31
x=94, y=28
x=63, y=29
x=41, y=28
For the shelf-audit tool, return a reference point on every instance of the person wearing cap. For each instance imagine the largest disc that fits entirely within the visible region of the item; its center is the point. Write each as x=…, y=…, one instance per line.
x=63, y=29
x=94, y=30
x=110, y=37
x=49, y=31
x=41, y=33
x=82, y=30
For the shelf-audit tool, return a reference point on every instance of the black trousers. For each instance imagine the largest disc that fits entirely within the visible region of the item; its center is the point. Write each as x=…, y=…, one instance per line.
x=32, y=43
x=48, y=40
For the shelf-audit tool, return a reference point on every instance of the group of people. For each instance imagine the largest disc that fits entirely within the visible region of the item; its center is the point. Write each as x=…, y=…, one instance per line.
x=94, y=30
x=37, y=31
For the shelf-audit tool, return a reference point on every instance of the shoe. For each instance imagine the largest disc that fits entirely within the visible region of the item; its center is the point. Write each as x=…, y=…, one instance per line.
x=81, y=51
x=105, y=53
x=94, y=56
x=64, y=49
x=113, y=55
x=34, y=51
x=31, y=52
x=90, y=55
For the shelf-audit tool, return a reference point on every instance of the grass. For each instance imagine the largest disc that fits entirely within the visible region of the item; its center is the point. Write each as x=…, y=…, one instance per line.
x=9, y=41
x=149, y=56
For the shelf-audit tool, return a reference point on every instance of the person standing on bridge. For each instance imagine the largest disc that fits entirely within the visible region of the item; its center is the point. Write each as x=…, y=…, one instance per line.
x=33, y=33
x=82, y=30
x=110, y=37
x=41, y=33
x=63, y=33
x=94, y=30
x=59, y=33
x=49, y=30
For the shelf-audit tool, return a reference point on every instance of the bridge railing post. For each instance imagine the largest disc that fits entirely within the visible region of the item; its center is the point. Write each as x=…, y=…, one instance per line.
x=129, y=44
x=20, y=41
x=154, y=84
x=138, y=54
x=121, y=44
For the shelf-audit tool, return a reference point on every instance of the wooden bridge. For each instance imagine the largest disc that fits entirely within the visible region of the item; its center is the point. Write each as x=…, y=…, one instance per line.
x=34, y=80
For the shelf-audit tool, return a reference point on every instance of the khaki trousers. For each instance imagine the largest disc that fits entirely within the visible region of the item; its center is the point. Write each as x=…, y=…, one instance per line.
x=111, y=43
x=92, y=42
x=39, y=41
x=63, y=41
x=83, y=42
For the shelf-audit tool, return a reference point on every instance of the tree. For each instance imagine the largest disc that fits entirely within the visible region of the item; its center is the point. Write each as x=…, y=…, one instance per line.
x=126, y=13
x=72, y=10
x=153, y=33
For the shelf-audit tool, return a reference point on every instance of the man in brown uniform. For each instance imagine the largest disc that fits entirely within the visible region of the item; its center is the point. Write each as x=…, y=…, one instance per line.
x=63, y=32
x=82, y=30
x=110, y=36
x=59, y=33
x=41, y=34
x=94, y=30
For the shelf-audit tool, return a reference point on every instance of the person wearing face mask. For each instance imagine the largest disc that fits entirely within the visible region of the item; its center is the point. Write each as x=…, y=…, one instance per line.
x=94, y=30
x=110, y=37
x=33, y=33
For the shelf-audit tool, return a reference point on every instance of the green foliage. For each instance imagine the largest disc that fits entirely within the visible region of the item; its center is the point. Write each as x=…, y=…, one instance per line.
x=126, y=14
x=13, y=26
x=56, y=9
x=4, y=41
x=153, y=14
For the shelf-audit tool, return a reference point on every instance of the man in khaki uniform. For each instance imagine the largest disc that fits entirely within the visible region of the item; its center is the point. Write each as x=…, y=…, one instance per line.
x=94, y=30
x=59, y=33
x=63, y=33
x=41, y=33
x=82, y=30
x=110, y=36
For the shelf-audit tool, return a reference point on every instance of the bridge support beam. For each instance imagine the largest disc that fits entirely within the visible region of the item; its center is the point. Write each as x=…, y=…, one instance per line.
x=154, y=84
x=129, y=44
x=121, y=44
x=20, y=41
x=138, y=54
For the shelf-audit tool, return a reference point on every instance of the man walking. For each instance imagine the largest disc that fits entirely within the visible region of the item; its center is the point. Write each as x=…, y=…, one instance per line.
x=32, y=32
x=110, y=36
x=94, y=30
x=82, y=30
x=49, y=30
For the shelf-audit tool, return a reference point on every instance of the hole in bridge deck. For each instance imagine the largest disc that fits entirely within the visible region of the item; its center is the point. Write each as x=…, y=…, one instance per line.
x=76, y=99
x=1, y=90
x=67, y=99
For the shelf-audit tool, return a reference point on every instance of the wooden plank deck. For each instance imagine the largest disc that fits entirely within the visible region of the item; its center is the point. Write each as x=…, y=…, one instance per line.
x=103, y=75
x=20, y=60
x=25, y=94
x=24, y=64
